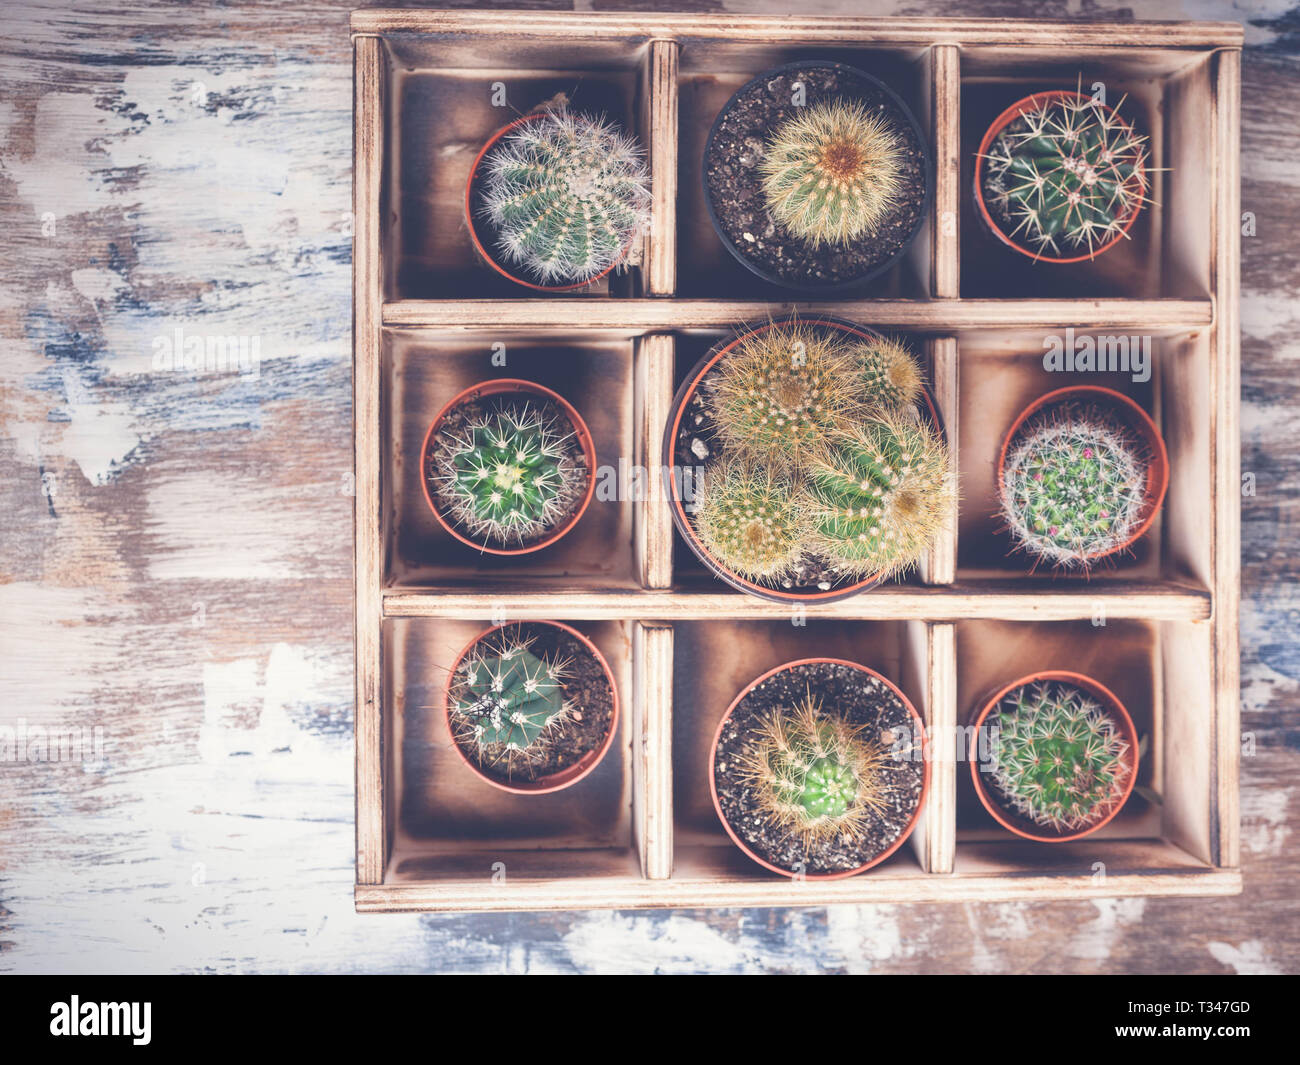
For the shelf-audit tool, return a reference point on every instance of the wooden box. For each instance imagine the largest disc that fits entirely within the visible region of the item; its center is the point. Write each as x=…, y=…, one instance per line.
x=1160, y=627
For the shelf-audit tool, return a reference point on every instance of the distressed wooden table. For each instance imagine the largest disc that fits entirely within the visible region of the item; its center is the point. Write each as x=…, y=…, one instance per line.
x=175, y=614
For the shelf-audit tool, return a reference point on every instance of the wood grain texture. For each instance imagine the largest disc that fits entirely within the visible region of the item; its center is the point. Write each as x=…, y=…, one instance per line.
x=178, y=564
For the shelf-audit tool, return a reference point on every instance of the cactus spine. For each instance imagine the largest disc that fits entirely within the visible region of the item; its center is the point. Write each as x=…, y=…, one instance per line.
x=880, y=495
x=505, y=700
x=507, y=475
x=889, y=374
x=568, y=194
x=1056, y=756
x=832, y=172
x=781, y=390
x=749, y=520
x=814, y=774
x=1073, y=490
x=1067, y=175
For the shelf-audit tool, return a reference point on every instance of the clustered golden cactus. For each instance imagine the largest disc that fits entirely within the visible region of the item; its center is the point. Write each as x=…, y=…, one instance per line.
x=825, y=456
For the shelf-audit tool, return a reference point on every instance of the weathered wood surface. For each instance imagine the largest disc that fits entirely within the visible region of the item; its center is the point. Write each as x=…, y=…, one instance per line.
x=177, y=547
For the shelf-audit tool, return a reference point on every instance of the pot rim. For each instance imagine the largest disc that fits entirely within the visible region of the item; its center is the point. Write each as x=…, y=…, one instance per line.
x=668, y=456
x=1139, y=420
x=925, y=776
x=494, y=387
x=563, y=778
x=839, y=287
x=1113, y=705
x=995, y=127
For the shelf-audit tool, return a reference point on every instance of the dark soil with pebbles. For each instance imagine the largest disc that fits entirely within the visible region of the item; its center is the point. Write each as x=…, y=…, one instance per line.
x=859, y=698
x=735, y=187
x=586, y=688
x=454, y=427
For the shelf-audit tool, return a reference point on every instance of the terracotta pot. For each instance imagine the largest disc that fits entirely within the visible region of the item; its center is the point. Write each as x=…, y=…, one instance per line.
x=918, y=725
x=482, y=246
x=1022, y=826
x=1135, y=418
x=511, y=385
x=672, y=486
x=853, y=284
x=1001, y=122
x=565, y=777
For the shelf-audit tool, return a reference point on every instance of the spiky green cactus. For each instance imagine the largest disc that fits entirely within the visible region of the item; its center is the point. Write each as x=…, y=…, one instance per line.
x=1073, y=490
x=1066, y=176
x=749, y=520
x=889, y=373
x=832, y=172
x=814, y=774
x=781, y=390
x=507, y=474
x=880, y=494
x=569, y=194
x=1056, y=757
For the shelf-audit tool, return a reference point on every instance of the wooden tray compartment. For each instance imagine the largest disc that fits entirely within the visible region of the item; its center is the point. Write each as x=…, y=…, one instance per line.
x=1169, y=94
x=711, y=71
x=1002, y=372
x=441, y=112
x=426, y=316
x=423, y=371
x=449, y=823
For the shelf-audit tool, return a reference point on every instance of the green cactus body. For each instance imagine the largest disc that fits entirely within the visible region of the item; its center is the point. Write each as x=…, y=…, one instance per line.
x=814, y=774
x=1066, y=176
x=568, y=194
x=509, y=698
x=1056, y=756
x=749, y=520
x=1073, y=490
x=781, y=390
x=832, y=172
x=507, y=474
x=890, y=377
x=880, y=495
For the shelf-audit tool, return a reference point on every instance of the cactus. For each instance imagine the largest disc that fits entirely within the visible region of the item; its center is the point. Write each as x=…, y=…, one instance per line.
x=507, y=475
x=505, y=699
x=832, y=172
x=782, y=390
x=1055, y=756
x=888, y=373
x=1073, y=490
x=1067, y=175
x=814, y=774
x=568, y=195
x=748, y=519
x=880, y=494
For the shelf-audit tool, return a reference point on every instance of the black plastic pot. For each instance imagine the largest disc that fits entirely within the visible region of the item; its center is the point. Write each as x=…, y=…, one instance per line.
x=843, y=288
x=672, y=486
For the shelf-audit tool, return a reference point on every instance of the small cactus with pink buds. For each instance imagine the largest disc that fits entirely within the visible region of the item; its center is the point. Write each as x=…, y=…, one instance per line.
x=1073, y=490
x=1067, y=176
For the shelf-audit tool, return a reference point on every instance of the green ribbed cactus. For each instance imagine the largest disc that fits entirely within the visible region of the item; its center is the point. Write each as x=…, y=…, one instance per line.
x=880, y=495
x=569, y=194
x=1066, y=176
x=749, y=520
x=832, y=172
x=505, y=698
x=888, y=372
x=507, y=474
x=815, y=775
x=1056, y=757
x=781, y=390
x=1073, y=490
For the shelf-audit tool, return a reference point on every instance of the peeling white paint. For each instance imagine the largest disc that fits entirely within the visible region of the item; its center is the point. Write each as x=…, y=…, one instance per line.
x=1247, y=959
